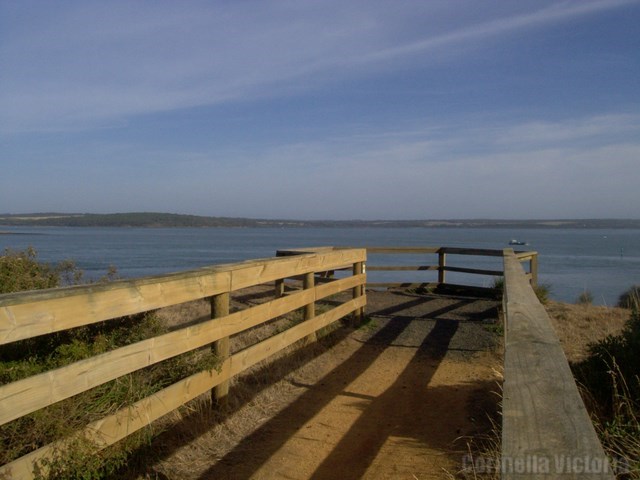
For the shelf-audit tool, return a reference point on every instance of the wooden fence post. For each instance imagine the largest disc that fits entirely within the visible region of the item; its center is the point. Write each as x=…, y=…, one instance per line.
x=279, y=288
x=358, y=268
x=220, y=308
x=310, y=308
x=442, y=259
x=533, y=268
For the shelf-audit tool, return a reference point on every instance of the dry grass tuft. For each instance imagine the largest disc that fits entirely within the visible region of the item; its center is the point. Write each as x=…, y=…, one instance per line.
x=578, y=326
x=601, y=344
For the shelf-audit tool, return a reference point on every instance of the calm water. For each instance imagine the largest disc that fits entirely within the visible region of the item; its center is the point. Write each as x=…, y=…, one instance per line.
x=605, y=262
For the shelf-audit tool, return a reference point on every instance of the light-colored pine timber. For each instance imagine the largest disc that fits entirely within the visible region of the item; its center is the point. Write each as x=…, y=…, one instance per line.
x=221, y=347
x=30, y=394
x=400, y=268
x=310, y=308
x=542, y=411
x=128, y=420
x=29, y=314
x=442, y=262
x=357, y=292
x=475, y=271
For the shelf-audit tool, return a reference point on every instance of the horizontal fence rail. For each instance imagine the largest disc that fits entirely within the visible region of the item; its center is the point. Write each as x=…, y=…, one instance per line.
x=441, y=266
x=546, y=430
x=544, y=418
x=29, y=314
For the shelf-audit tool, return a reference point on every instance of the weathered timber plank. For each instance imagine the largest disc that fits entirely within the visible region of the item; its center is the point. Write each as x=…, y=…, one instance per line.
x=526, y=255
x=408, y=250
x=401, y=284
x=483, y=252
x=546, y=432
x=124, y=422
x=30, y=314
x=260, y=351
x=221, y=348
x=30, y=394
x=310, y=308
x=128, y=420
x=377, y=268
x=249, y=274
x=301, y=251
x=476, y=271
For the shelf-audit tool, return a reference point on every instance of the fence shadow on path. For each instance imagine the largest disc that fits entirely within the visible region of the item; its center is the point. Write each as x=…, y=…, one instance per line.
x=255, y=450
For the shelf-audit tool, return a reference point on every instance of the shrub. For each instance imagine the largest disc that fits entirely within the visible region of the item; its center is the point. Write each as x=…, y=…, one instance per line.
x=498, y=286
x=630, y=298
x=611, y=375
x=21, y=270
x=585, y=298
x=621, y=350
x=25, y=358
x=543, y=292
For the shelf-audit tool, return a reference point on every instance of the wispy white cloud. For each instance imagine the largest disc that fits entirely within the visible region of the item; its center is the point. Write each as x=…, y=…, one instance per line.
x=553, y=13
x=592, y=128
x=403, y=174
x=79, y=65
x=414, y=174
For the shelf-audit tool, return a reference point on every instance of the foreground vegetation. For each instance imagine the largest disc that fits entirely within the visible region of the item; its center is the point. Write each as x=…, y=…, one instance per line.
x=608, y=368
x=18, y=360
x=602, y=345
x=610, y=377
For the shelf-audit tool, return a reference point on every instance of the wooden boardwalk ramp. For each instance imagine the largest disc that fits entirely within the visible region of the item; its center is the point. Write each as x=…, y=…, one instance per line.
x=399, y=397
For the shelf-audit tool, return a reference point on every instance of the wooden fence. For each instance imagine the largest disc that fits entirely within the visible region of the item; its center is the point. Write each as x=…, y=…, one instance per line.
x=545, y=424
x=546, y=430
x=30, y=314
x=441, y=266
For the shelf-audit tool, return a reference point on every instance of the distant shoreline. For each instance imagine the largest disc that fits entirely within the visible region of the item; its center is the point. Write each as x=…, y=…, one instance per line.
x=170, y=220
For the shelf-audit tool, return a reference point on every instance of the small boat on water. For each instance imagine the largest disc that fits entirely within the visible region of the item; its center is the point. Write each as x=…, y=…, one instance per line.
x=513, y=241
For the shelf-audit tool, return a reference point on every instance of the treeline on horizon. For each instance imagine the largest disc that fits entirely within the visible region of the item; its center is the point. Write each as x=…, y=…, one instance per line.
x=153, y=219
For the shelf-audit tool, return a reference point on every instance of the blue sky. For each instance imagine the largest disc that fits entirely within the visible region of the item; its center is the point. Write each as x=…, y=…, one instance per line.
x=322, y=109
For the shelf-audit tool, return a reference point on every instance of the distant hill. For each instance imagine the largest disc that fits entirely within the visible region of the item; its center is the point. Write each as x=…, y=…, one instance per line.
x=134, y=219
x=153, y=219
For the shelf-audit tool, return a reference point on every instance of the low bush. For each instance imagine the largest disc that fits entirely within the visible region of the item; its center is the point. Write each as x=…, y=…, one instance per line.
x=543, y=292
x=611, y=376
x=21, y=270
x=630, y=298
x=585, y=298
x=22, y=359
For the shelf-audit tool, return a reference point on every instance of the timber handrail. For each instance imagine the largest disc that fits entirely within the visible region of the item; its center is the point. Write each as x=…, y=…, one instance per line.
x=546, y=430
x=441, y=267
x=30, y=314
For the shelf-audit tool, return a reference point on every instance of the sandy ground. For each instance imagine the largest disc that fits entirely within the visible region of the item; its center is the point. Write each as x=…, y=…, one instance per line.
x=399, y=397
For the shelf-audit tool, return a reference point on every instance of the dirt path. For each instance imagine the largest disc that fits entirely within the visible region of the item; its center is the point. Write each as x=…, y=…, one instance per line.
x=397, y=398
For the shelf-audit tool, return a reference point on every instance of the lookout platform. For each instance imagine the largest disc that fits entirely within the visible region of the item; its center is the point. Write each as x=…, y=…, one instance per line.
x=313, y=373
x=401, y=396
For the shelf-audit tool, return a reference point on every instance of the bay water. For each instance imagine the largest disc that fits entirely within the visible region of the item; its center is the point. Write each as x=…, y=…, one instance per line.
x=606, y=262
